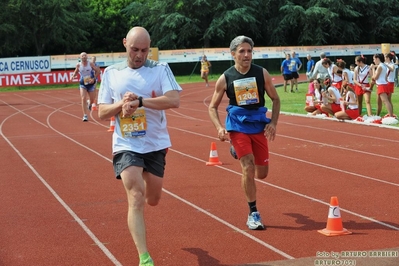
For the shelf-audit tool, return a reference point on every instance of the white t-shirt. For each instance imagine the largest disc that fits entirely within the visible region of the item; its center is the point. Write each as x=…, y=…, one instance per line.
x=350, y=98
x=350, y=75
x=334, y=91
x=382, y=78
x=335, y=77
x=390, y=73
x=317, y=95
x=319, y=70
x=152, y=78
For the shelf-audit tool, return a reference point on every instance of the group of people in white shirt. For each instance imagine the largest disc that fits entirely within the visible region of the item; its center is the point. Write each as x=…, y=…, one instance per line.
x=335, y=90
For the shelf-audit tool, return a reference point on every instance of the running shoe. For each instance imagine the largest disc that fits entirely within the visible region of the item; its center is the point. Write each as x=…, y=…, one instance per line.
x=254, y=221
x=85, y=118
x=148, y=262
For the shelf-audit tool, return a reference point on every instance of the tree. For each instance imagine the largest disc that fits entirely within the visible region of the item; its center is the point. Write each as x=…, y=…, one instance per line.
x=36, y=27
x=177, y=24
x=379, y=22
x=44, y=23
x=318, y=22
x=112, y=25
x=7, y=29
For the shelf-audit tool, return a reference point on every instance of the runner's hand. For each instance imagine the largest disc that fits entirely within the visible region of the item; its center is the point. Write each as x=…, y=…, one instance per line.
x=223, y=134
x=129, y=96
x=270, y=131
x=128, y=108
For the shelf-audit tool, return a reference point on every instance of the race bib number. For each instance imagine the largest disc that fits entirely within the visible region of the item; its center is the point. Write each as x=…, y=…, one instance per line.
x=134, y=126
x=86, y=80
x=292, y=65
x=246, y=91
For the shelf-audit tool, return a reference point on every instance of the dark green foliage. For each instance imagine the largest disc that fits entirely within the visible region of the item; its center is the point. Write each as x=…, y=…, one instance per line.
x=36, y=27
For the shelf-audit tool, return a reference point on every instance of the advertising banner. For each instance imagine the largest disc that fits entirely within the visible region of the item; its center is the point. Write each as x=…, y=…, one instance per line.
x=56, y=69
x=36, y=79
x=102, y=59
x=13, y=65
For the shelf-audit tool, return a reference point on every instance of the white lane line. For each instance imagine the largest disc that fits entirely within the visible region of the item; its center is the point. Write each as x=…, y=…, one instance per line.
x=339, y=147
x=62, y=202
x=217, y=218
x=23, y=113
x=311, y=163
x=292, y=192
x=257, y=240
x=183, y=200
x=342, y=132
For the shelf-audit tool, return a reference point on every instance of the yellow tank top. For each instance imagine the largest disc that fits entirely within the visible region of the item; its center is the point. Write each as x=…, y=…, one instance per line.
x=204, y=66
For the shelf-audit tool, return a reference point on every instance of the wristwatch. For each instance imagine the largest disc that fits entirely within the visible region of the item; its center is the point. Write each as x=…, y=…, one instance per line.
x=140, y=101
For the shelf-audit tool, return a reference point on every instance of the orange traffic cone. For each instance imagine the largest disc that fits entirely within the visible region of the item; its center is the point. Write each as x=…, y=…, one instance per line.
x=112, y=125
x=334, y=221
x=213, y=156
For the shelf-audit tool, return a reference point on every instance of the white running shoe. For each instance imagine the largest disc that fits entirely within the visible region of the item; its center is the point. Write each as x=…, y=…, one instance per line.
x=85, y=118
x=254, y=221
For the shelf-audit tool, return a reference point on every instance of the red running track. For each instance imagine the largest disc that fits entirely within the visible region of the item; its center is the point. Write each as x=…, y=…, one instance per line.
x=60, y=204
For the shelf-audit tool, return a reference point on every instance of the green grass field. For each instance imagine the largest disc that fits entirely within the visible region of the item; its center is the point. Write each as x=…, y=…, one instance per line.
x=290, y=102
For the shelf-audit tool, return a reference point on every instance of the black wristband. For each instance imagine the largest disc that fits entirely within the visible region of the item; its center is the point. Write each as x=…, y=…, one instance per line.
x=140, y=101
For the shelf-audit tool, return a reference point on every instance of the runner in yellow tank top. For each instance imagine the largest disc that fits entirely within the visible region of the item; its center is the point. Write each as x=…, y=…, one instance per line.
x=205, y=65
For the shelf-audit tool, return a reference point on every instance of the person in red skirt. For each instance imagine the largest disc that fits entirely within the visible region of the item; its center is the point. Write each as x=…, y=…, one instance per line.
x=389, y=62
x=333, y=97
x=351, y=111
x=334, y=72
x=315, y=90
x=380, y=79
x=363, y=89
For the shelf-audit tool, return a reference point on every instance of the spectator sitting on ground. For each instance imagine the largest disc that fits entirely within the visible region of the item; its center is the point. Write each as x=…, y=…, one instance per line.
x=314, y=107
x=351, y=111
x=333, y=96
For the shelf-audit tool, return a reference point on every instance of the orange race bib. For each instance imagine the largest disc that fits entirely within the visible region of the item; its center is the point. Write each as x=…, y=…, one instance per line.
x=134, y=126
x=246, y=91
